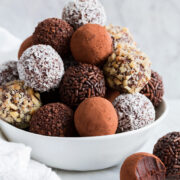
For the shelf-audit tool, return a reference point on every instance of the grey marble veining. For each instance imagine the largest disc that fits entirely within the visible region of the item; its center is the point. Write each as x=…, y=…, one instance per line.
x=154, y=23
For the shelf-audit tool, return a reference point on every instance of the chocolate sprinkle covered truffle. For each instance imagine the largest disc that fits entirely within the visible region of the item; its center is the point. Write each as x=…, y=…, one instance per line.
x=168, y=150
x=134, y=111
x=8, y=72
x=91, y=44
x=95, y=116
x=41, y=68
x=80, y=12
x=142, y=166
x=120, y=35
x=127, y=69
x=18, y=103
x=154, y=90
x=55, y=119
x=80, y=82
x=56, y=33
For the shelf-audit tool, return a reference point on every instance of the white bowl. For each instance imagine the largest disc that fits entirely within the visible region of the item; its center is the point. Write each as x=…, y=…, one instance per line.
x=84, y=153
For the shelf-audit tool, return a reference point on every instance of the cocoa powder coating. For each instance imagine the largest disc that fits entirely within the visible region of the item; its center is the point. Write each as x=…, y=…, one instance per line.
x=96, y=116
x=56, y=33
x=53, y=119
x=91, y=44
x=80, y=82
x=142, y=166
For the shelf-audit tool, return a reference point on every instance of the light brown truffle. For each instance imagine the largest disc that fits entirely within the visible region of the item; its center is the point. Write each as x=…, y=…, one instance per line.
x=25, y=44
x=91, y=44
x=96, y=116
x=142, y=166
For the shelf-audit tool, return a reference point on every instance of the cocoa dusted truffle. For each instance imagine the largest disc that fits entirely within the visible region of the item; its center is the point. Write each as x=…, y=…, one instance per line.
x=56, y=33
x=80, y=82
x=167, y=149
x=154, y=90
x=80, y=12
x=41, y=68
x=127, y=69
x=91, y=44
x=120, y=35
x=142, y=166
x=95, y=116
x=25, y=44
x=134, y=112
x=53, y=119
x=18, y=103
x=8, y=72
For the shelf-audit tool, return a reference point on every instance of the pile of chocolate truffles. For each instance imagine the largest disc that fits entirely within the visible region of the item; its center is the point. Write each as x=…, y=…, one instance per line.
x=77, y=76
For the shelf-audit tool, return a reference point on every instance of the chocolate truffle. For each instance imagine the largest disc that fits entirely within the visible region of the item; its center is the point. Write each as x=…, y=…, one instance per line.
x=142, y=166
x=80, y=12
x=111, y=94
x=127, y=69
x=167, y=149
x=120, y=35
x=41, y=68
x=53, y=119
x=69, y=61
x=80, y=82
x=95, y=116
x=134, y=111
x=56, y=33
x=25, y=44
x=91, y=44
x=18, y=103
x=8, y=72
x=154, y=90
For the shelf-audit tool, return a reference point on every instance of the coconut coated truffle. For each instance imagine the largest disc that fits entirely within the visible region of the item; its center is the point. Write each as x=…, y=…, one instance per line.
x=95, y=116
x=80, y=12
x=8, y=72
x=142, y=166
x=25, y=44
x=80, y=82
x=55, y=119
x=154, y=90
x=91, y=44
x=120, y=35
x=127, y=69
x=134, y=111
x=18, y=103
x=41, y=68
x=56, y=33
x=167, y=149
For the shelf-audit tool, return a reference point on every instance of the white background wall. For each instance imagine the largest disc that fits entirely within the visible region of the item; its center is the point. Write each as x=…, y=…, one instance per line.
x=155, y=25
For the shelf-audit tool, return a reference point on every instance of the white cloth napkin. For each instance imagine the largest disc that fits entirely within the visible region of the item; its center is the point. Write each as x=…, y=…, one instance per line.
x=15, y=162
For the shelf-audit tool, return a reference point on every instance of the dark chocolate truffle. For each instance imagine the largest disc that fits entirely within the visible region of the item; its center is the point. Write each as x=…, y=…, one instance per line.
x=91, y=44
x=80, y=12
x=142, y=166
x=154, y=90
x=111, y=94
x=25, y=44
x=8, y=72
x=56, y=33
x=18, y=103
x=80, y=82
x=53, y=119
x=41, y=68
x=168, y=150
x=134, y=111
x=95, y=116
x=127, y=69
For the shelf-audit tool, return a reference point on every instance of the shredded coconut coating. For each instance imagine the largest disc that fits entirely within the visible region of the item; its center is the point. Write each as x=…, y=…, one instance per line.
x=80, y=12
x=127, y=69
x=134, y=111
x=120, y=35
x=41, y=68
x=8, y=72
